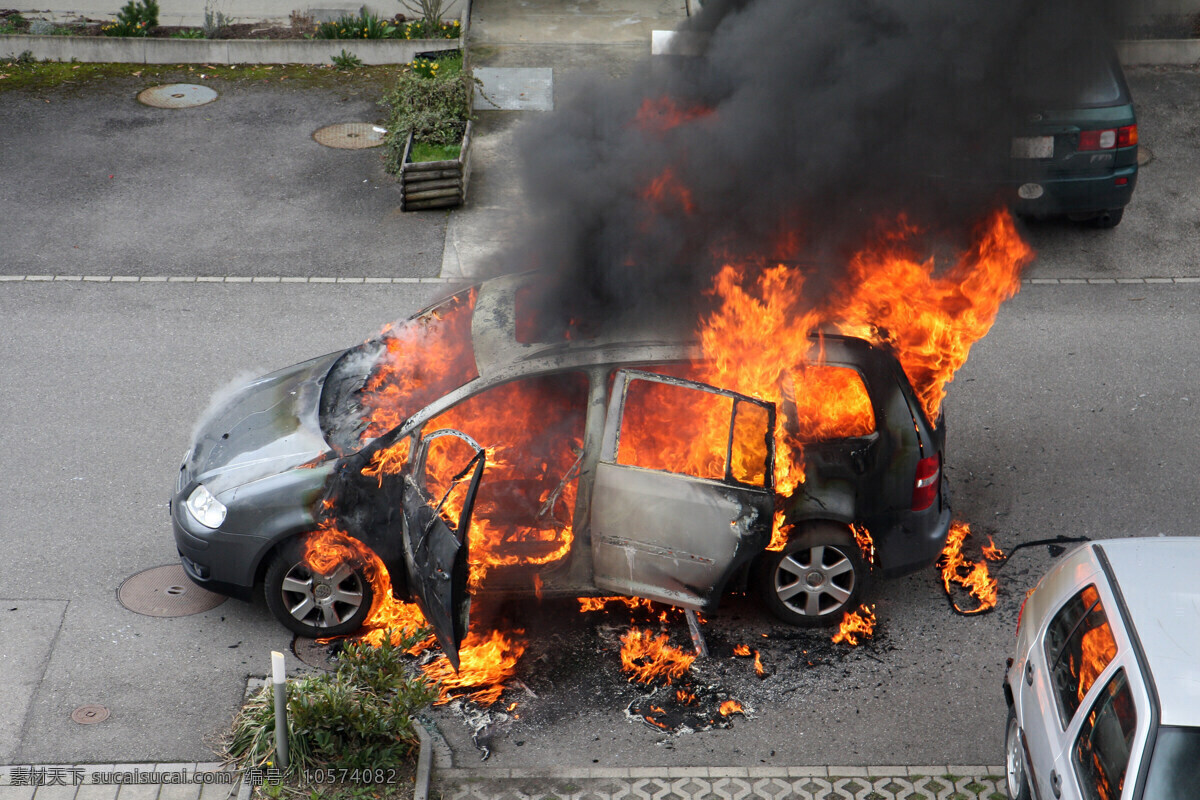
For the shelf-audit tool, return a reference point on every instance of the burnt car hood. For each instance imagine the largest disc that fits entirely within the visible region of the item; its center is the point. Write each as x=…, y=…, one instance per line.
x=267, y=426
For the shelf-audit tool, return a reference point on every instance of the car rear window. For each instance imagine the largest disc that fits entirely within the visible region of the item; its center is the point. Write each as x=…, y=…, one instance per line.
x=824, y=401
x=1079, y=645
x=1080, y=77
x=1101, y=751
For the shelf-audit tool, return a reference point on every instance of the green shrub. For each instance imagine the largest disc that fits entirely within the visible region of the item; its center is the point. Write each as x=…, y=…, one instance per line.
x=193, y=33
x=434, y=104
x=136, y=18
x=359, y=717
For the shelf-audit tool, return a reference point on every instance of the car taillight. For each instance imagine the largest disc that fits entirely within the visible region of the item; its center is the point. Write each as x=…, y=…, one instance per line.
x=925, y=485
x=1109, y=138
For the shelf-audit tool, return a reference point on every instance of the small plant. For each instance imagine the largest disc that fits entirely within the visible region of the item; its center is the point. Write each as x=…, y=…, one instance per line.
x=419, y=29
x=425, y=67
x=13, y=23
x=136, y=18
x=364, y=25
x=193, y=33
x=430, y=12
x=214, y=21
x=346, y=60
x=359, y=717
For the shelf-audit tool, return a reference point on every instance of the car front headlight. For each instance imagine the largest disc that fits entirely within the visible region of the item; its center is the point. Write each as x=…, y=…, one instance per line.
x=204, y=508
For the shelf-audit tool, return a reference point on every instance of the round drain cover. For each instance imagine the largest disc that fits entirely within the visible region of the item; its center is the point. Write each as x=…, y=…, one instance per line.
x=165, y=592
x=321, y=656
x=351, y=135
x=1145, y=155
x=89, y=714
x=177, y=95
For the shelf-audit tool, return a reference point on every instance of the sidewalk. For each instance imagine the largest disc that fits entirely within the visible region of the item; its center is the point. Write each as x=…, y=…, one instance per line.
x=208, y=782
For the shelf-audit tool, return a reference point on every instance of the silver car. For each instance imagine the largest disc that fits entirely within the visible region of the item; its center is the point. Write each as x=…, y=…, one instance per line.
x=1103, y=690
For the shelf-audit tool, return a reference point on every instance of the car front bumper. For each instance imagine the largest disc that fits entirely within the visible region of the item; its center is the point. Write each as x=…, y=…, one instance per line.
x=215, y=560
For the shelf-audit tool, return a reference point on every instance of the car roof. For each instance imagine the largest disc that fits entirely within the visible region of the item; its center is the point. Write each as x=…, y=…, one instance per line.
x=1159, y=579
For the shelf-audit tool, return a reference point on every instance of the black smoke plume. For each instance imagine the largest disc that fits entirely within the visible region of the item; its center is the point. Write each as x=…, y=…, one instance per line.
x=809, y=123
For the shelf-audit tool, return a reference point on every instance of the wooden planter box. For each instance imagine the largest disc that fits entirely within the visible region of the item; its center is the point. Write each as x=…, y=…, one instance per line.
x=435, y=184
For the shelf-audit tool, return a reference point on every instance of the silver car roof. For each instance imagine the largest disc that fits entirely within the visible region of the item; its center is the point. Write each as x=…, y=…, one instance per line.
x=1159, y=578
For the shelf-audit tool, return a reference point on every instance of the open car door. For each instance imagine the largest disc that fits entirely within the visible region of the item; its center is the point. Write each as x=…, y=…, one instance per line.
x=684, y=490
x=439, y=494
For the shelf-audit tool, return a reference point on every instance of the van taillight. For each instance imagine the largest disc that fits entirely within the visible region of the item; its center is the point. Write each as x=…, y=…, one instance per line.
x=1125, y=136
x=925, y=485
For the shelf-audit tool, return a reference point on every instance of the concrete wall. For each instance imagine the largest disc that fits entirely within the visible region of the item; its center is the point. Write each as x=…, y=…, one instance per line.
x=191, y=12
x=105, y=49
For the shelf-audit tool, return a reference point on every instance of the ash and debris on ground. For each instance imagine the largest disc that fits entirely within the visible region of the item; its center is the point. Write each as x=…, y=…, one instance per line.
x=572, y=665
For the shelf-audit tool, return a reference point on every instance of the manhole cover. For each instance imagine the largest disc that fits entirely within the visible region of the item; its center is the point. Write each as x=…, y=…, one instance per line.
x=321, y=656
x=351, y=135
x=177, y=95
x=1145, y=155
x=165, y=592
x=89, y=714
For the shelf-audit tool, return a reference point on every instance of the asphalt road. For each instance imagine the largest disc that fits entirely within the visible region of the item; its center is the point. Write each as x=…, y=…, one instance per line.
x=1075, y=416
x=96, y=183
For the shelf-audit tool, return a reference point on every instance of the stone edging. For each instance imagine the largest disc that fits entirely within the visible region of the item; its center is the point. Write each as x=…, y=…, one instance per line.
x=1159, y=52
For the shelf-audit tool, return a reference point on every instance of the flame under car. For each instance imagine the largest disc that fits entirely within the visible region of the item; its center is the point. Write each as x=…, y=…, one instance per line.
x=499, y=462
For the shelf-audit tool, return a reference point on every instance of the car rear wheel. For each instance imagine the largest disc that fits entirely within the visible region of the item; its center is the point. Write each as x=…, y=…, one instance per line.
x=1015, y=781
x=316, y=604
x=816, y=578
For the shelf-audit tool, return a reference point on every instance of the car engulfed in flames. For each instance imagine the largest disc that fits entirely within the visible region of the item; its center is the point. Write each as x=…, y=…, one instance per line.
x=466, y=451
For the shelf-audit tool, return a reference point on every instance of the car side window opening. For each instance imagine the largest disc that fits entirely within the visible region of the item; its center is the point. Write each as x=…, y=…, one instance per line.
x=691, y=431
x=826, y=401
x=533, y=432
x=1079, y=645
x=1101, y=752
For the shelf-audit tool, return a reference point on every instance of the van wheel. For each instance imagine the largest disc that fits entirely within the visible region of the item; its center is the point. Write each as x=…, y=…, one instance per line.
x=1016, y=782
x=312, y=603
x=816, y=578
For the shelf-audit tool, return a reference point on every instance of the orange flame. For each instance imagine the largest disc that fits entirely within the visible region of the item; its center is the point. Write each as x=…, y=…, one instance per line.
x=486, y=662
x=646, y=657
x=971, y=575
x=685, y=697
x=660, y=115
x=1096, y=648
x=866, y=544
x=731, y=707
x=587, y=604
x=741, y=650
x=759, y=670
x=856, y=626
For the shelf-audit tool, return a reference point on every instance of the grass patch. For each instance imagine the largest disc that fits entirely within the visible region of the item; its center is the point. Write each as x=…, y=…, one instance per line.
x=44, y=76
x=433, y=152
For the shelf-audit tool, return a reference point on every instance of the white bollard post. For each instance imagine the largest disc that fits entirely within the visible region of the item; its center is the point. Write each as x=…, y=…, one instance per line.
x=279, y=678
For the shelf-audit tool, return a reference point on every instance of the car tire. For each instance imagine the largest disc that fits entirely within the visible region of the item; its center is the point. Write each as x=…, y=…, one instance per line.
x=1108, y=219
x=816, y=578
x=313, y=604
x=1016, y=782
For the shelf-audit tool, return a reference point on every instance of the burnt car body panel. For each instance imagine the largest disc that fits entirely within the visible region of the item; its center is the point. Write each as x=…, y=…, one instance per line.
x=866, y=479
x=672, y=537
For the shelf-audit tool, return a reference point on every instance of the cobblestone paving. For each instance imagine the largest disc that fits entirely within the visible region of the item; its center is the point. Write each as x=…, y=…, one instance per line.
x=937, y=783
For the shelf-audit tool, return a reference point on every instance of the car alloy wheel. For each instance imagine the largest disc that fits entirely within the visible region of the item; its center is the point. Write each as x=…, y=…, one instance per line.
x=316, y=604
x=1015, y=782
x=816, y=578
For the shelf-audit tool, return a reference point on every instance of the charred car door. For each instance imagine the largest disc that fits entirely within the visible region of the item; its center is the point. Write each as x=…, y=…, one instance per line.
x=439, y=494
x=684, y=488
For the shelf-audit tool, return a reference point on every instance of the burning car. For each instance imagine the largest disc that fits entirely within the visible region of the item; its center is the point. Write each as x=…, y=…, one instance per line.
x=614, y=465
